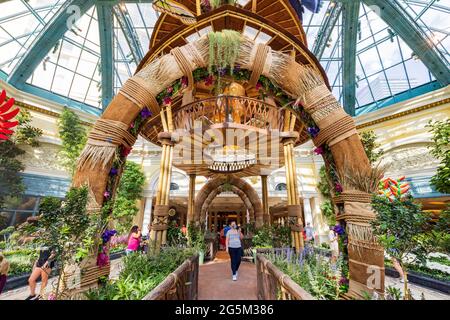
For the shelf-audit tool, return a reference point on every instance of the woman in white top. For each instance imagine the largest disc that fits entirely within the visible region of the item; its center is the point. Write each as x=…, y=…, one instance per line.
x=334, y=246
x=234, y=248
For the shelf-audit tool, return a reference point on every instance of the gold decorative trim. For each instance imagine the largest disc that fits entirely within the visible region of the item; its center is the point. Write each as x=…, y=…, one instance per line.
x=46, y=112
x=404, y=113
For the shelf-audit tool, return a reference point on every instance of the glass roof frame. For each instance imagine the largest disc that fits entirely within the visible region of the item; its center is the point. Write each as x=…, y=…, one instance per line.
x=374, y=79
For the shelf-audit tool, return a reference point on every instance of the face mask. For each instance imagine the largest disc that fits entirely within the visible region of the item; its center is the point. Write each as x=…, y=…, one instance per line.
x=234, y=227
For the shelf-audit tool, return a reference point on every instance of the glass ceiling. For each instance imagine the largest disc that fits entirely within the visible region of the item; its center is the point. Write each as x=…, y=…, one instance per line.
x=385, y=65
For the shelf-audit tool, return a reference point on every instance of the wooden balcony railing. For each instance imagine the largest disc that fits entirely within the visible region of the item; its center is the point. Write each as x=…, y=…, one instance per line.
x=182, y=284
x=229, y=109
x=272, y=284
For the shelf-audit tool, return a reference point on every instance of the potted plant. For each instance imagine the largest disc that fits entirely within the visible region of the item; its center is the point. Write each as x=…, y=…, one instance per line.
x=196, y=239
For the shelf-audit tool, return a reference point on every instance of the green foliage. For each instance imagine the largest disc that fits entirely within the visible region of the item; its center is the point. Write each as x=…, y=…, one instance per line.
x=368, y=139
x=73, y=135
x=25, y=133
x=196, y=237
x=68, y=227
x=175, y=238
x=399, y=225
x=275, y=236
x=223, y=49
x=441, y=260
x=141, y=274
x=328, y=212
x=20, y=264
x=323, y=185
x=441, y=150
x=314, y=274
x=129, y=191
x=10, y=166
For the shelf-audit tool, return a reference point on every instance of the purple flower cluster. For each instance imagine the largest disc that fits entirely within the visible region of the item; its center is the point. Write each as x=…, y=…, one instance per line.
x=222, y=72
x=106, y=236
x=339, y=230
x=313, y=131
x=237, y=68
x=113, y=172
x=145, y=113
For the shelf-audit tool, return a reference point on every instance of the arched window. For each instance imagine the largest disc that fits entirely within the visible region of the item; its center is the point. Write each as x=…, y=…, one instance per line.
x=174, y=186
x=281, y=187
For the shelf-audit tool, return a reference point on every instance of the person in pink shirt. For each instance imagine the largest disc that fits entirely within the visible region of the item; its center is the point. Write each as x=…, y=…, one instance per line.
x=134, y=240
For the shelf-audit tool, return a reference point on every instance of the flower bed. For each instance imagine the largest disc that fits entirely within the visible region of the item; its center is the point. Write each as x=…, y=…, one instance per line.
x=140, y=275
x=312, y=272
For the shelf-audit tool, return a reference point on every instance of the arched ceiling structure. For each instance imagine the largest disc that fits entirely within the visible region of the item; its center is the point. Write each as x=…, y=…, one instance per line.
x=371, y=59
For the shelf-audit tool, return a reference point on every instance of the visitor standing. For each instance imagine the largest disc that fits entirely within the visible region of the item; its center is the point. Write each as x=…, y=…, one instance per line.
x=309, y=231
x=4, y=268
x=134, y=240
x=334, y=246
x=234, y=248
x=42, y=268
x=226, y=229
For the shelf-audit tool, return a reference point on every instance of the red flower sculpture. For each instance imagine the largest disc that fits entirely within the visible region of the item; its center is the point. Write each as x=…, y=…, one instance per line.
x=5, y=124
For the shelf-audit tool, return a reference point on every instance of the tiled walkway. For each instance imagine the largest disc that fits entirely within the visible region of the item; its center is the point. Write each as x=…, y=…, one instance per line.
x=215, y=281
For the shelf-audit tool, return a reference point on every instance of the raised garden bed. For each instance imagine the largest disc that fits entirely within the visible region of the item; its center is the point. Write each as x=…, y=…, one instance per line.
x=421, y=279
x=182, y=284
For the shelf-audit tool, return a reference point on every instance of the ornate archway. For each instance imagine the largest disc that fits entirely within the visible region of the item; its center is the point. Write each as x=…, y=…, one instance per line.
x=315, y=111
x=239, y=186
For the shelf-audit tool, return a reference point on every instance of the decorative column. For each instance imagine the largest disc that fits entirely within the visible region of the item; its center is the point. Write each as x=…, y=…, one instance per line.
x=265, y=199
x=191, y=199
x=294, y=207
x=160, y=221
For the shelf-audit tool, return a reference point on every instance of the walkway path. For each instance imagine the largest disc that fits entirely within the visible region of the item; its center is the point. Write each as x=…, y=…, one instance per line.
x=215, y=283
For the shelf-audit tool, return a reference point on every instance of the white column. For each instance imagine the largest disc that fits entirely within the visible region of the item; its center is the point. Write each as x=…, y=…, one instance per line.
x=308, y=212
x=147, y=215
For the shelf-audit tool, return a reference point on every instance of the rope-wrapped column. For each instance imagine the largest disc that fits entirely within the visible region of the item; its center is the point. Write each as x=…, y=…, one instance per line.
x=338, y=131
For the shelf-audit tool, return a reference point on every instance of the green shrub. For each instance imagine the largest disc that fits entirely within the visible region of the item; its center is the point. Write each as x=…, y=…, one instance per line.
x=141, y=274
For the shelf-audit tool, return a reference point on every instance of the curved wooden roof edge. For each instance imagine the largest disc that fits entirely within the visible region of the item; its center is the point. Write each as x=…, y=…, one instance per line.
x=191, y=5
x=220, y=12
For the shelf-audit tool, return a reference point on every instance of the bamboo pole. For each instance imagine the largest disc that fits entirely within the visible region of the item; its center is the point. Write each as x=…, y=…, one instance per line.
x=163, y=121
x=286, y=165
x=161, y=173
x=254, y=6
x=191, y=200
x=198, y=7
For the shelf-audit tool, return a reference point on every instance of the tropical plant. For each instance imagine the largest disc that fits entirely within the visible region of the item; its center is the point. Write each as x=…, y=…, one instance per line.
x=398, y=226
x=129, y=191
x=175, y=237
x=73, y=135
x=11, y=185
x=69, y=229
x=441, y=150
x=196, y=237
x=371, y=147
x=263, y=237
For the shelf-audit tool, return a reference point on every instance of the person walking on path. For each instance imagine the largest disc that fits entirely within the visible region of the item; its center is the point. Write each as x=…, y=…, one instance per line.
x=334, y=245
x=41, y=268
x=134, y=240
x=234, y=248
x=309, y=232
x=4, y=268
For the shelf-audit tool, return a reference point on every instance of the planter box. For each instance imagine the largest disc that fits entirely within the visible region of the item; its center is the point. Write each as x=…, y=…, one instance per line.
x=423, y=280
x=182, y=284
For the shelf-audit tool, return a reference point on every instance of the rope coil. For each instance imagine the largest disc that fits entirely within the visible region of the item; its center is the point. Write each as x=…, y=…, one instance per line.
x=340, y=127
x=184, y=65
x=136, y=91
